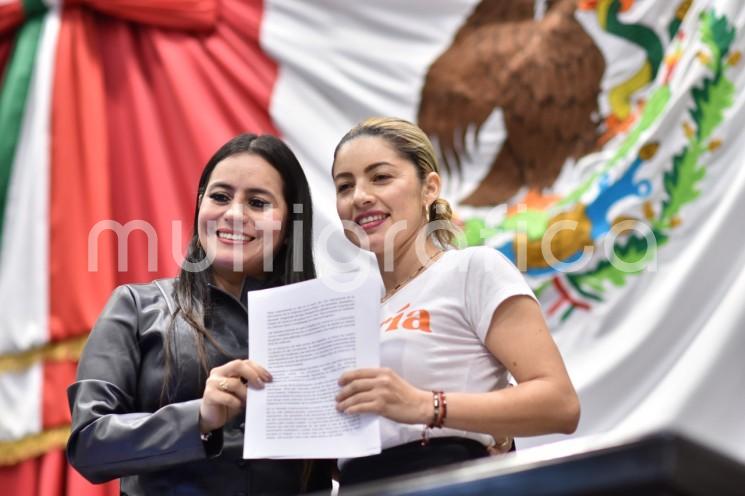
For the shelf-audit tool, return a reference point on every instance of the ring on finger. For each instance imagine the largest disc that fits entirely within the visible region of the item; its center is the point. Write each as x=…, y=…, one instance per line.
x=223, y=385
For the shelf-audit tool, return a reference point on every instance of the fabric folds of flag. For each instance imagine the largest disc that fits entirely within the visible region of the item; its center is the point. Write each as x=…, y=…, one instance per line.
x=112, y=107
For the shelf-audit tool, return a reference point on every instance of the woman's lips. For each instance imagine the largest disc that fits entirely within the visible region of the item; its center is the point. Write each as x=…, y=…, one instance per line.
x=370, y=220
x=233, y=237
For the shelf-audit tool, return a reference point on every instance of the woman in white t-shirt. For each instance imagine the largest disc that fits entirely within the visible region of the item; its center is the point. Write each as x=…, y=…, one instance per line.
x=454, y=325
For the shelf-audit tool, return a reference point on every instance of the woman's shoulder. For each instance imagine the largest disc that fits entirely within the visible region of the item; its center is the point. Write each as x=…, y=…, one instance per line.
x=479, y=258
x=144, y=294
x=139, y=305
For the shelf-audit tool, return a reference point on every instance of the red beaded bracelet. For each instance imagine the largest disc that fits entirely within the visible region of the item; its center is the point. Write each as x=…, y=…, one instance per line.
x=440, y=405
x=444, y=408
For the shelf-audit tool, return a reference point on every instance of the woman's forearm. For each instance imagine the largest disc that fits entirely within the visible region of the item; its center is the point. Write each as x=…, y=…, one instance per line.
x=532, y=408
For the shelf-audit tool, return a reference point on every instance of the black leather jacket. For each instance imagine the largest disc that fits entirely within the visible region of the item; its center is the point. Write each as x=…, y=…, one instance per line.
x=119, y=428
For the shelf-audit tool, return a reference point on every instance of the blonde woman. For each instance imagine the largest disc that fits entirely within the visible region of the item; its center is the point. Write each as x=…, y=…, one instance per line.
x=454, y=325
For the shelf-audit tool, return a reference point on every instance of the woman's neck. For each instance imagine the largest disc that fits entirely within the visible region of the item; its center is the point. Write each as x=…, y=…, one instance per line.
x=230, y=282
x=406, y=262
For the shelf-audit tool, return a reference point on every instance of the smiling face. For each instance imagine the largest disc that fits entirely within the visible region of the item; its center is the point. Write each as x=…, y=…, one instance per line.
x=242, y=217
x=380, y=192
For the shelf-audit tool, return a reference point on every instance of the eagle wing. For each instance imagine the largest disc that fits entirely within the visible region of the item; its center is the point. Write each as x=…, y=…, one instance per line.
x=544, y=75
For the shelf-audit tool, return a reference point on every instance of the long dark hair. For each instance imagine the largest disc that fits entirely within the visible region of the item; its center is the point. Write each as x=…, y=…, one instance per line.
x=293, y=262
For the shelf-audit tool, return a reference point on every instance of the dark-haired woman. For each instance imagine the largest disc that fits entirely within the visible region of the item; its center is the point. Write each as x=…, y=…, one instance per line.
x=454, y=325
x=161, y=384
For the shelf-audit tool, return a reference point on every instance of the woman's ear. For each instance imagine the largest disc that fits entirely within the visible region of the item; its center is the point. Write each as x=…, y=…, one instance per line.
x=431, y=188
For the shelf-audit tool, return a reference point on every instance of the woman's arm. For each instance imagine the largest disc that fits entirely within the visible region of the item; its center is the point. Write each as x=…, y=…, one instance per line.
x=110, y=438
x=543, y=402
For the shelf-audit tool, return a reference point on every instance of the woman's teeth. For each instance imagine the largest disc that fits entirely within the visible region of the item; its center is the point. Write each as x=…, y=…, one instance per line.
x=233, y=236
x=371, y=218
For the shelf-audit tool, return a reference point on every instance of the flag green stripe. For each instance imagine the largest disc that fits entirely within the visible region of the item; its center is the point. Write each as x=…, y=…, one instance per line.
x=13, y=94
x=32, y=7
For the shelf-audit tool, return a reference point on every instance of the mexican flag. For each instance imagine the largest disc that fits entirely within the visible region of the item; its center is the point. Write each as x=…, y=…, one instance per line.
x=597, y=143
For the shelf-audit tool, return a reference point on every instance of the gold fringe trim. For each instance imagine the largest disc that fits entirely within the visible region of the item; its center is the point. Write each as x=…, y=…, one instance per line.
x=70, y=349
x=13, y=452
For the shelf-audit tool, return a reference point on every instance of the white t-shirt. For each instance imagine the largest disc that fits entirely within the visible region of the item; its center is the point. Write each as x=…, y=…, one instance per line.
x=433, y=331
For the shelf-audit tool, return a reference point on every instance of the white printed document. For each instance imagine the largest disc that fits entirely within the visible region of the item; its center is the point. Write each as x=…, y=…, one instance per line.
x=306, y=335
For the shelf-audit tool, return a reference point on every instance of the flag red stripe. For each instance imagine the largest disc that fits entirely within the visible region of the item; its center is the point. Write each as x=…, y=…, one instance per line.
x=79, y=179
x=172, y=100
x=6, y=48
x=11, y=16
x=50, y=475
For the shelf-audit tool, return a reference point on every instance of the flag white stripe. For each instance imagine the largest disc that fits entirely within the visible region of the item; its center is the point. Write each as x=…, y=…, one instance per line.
x=631, y=356
x=24, y=285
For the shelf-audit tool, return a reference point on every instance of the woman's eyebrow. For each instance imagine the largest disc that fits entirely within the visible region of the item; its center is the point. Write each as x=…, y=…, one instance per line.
x=375, y=165
x=221, y=184
x=259, y=191
x=251, y=191
x=367, y=169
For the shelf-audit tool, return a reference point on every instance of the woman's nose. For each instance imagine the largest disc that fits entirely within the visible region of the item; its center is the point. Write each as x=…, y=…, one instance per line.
x=362, y=196
x=236, y=211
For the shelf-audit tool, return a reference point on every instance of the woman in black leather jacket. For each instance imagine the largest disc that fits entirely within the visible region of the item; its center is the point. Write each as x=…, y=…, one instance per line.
x=160, y=393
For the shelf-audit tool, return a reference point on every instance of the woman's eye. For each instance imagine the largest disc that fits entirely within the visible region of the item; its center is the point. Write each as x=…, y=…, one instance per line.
x=381, y=177
x=219, y=197
x=258, y=203
x=341, y=188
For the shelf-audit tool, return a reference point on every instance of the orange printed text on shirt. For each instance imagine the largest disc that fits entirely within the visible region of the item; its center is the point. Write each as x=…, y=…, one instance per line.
x=410, y=320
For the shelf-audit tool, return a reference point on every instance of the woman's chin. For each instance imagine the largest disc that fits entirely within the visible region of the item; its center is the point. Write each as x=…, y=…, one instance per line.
x=377, y=249
x=228, y=265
